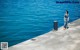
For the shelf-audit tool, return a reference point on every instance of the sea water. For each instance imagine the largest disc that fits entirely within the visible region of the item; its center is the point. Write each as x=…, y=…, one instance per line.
x=22, y=20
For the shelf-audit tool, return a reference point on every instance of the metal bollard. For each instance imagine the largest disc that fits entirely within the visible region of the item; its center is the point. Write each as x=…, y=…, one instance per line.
x=55, y=25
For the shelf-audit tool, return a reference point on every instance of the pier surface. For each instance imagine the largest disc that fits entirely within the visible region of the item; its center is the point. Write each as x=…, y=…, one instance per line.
x=68, y=39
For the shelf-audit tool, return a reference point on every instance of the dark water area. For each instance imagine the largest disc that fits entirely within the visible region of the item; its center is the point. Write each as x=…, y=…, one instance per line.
x=22, y=20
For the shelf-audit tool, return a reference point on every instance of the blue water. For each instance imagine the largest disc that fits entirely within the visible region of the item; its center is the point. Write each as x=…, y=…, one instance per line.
x=21, y=20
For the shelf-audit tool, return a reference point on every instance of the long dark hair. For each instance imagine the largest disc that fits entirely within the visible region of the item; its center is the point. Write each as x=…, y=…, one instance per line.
x=67, y=11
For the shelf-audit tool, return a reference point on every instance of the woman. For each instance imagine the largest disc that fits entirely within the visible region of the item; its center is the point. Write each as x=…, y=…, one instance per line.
x=66, y=19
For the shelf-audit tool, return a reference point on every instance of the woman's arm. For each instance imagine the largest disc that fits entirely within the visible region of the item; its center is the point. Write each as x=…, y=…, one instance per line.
x=68, y=18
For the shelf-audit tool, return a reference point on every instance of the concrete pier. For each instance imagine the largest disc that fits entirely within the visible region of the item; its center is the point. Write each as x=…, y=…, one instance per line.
x=68, y=39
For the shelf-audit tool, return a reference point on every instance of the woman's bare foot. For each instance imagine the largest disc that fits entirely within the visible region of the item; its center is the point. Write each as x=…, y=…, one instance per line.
x=64, y=28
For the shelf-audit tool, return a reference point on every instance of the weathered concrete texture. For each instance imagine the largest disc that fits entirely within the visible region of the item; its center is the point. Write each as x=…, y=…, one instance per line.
x=68, y=39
